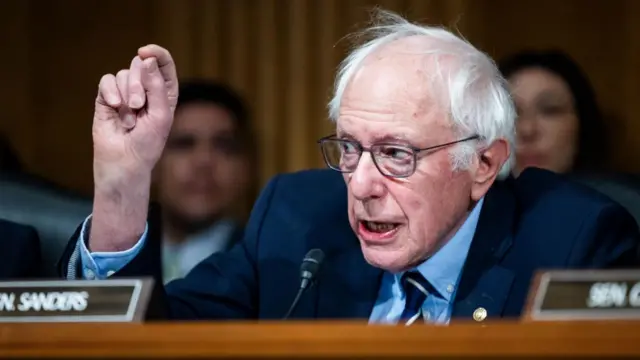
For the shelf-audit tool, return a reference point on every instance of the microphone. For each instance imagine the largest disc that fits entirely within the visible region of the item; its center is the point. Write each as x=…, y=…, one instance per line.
x=308, y=270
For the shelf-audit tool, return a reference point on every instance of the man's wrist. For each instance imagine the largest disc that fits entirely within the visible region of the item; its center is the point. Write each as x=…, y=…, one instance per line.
x=119, y=213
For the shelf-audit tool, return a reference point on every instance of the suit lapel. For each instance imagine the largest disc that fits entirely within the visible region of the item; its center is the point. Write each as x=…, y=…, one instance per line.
x=484, y=283
x=347, y=285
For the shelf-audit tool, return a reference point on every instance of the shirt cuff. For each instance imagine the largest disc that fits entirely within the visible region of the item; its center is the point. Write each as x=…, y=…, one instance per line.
x=101, y=265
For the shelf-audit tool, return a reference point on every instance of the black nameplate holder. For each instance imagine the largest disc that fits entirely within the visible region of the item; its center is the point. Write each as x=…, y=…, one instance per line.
x=585, y=295
x=112, y=300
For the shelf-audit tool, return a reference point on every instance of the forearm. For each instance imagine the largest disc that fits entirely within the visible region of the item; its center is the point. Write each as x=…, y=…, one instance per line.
x=119, y=215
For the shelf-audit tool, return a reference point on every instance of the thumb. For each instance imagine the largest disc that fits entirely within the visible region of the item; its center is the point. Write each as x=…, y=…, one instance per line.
x=156, y=92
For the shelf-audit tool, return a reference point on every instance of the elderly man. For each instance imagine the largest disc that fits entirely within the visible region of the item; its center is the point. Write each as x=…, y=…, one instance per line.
x=422, y=224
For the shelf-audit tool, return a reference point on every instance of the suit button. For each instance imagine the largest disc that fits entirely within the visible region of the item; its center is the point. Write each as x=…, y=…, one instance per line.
x=480, y=314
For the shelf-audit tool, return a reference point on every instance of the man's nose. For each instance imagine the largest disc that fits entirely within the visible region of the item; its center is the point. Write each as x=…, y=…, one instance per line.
x=366, y=181
x=203, y=154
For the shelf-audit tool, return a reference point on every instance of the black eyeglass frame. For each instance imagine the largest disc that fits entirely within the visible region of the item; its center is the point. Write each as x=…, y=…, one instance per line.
x=414, y=151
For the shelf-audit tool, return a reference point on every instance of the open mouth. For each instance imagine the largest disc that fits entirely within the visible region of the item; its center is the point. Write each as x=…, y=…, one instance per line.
x=374, y=231
x=378, y=227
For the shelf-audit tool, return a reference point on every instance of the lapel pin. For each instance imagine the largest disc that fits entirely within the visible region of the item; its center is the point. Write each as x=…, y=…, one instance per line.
x=479, y=314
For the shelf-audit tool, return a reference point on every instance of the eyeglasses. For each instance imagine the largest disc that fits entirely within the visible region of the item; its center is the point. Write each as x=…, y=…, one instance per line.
x=392, y=160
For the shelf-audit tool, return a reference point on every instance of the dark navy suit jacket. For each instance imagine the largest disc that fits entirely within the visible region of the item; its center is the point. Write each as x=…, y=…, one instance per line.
x=20, y=256
x=539, y=221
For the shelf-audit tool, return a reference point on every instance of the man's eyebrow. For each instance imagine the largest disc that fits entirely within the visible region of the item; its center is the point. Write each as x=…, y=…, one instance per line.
x=344, y=135
x=392, y=138
x=399, y=139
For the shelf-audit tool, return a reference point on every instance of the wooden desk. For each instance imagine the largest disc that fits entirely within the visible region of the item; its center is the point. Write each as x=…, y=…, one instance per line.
x=318, y=340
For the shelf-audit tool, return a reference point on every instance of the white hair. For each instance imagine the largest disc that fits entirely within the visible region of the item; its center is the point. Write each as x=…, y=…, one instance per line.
x=476, y=94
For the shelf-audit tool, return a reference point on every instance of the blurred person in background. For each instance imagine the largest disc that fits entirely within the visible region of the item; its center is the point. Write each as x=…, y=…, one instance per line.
x=205, y=171
x=560, y=126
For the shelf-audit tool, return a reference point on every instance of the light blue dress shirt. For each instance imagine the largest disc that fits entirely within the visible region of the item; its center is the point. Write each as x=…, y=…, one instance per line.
x=101, y=265
x=178, y=259
x=442, y=271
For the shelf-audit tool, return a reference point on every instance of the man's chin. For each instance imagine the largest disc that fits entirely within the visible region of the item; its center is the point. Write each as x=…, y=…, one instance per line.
x=384, y=257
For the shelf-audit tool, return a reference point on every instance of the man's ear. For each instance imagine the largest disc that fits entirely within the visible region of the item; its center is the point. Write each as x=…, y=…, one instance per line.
x=490, y=161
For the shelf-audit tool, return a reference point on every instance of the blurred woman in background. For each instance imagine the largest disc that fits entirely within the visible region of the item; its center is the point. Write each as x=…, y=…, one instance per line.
x=560, y=126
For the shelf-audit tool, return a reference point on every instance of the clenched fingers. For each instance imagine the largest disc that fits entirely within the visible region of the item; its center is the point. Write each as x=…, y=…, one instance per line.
x=108, y=93
x=158, y=105
x=122, y=80
x=135, y=89
x=127, y=116
x=167, y=69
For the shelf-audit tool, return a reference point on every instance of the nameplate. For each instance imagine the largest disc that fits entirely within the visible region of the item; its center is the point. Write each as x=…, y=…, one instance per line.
x=115, y=300
x=585, y=295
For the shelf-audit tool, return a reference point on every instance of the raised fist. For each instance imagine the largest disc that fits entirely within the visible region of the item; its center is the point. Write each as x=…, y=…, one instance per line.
x=133, y=116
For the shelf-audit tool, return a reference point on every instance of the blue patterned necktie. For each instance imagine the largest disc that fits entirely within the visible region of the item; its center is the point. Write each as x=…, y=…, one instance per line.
x=415, y=288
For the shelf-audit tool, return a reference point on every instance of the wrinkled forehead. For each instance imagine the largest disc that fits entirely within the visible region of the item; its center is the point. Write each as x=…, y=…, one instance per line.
x=395, y=95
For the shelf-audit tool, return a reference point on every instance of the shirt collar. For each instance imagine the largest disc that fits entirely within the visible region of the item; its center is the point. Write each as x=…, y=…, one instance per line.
x=443, y=269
